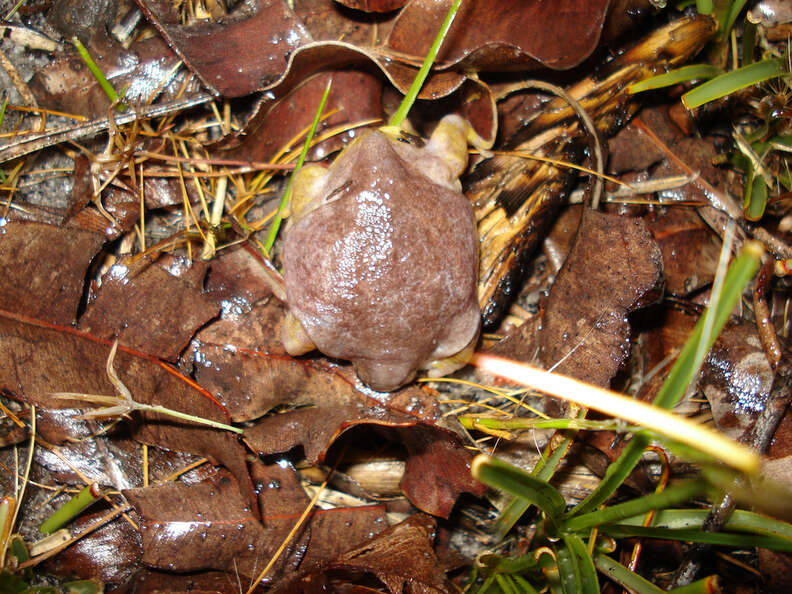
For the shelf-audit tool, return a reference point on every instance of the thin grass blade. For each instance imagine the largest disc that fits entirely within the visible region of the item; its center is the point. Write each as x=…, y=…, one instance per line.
x=733, y=81
x=515, y=481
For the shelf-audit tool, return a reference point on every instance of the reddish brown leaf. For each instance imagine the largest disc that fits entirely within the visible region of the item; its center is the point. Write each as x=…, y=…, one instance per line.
x=207, y=526
x=585, y=324
x=246, y=50
x=355, y=96
x=690, y=249
x=207, y=581
x=145, y=71
x=43, y=269
x=197, y=527
x=402, y=558
x=500, y=35
x=588, y=304
x=329, y=20
x=110, y=553
x=155, y=307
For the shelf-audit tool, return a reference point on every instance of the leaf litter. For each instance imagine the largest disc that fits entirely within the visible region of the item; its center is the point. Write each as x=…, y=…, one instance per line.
x=203, y=338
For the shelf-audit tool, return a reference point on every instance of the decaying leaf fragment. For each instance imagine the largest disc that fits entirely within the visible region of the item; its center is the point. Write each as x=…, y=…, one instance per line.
x=401, y=558
x=613, y=268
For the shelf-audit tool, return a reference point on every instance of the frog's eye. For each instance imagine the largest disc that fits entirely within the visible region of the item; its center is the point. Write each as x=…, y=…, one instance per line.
x=336, y=194
x=397, y=134
x=412, y=139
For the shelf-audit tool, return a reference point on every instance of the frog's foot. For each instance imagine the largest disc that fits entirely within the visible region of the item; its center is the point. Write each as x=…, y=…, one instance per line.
x=450, y=140
x=447, y=365
x=295, y=339
x=385, y=376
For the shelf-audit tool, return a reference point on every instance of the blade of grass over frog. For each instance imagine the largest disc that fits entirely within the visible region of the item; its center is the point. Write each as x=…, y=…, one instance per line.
x=726, y=539
x=615, y=513
x=617, y=405
x=728, y=83
x=515, y=481
x=276, y=222
x=739, y=521
x=682, y=373
x=474, y=422
x=71, y=509
x=104, y=84
x=673, y=77
x=415, y=88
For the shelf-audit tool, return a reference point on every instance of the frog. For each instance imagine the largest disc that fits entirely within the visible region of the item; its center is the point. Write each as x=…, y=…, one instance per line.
x=380, y=256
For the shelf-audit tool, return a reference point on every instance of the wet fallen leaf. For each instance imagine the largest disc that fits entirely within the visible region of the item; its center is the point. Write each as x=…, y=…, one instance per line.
x=66, y=360
x=401, y=558
x=144, y=72
x=155, y=307
x=247, y=48
x=584, y=327
x=110, y=553
x=43, y=269
x=498, y=35
x=207, y=525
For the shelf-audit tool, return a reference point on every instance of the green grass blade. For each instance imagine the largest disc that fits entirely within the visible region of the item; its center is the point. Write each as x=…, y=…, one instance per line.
x=589, y=583
x=575, y=567
x=755, y=196
x=748, y=42
x=673, y=77
x=71, y=509
x=682, y=373
x=524, y=585
x=623, y=576
x=418, y=81
x=615, y=513
x=505, y=583
x=739, y=521
x=728, y=83
x=727, y=539
x=706, y=585
x=515, y=481
x=704, y=6
x=500, y=564
x=278, y=220
x=568, y=570
x=735, y=8
x=104, y=84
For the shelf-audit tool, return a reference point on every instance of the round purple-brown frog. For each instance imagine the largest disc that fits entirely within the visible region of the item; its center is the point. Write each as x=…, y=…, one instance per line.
x=380, y=257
